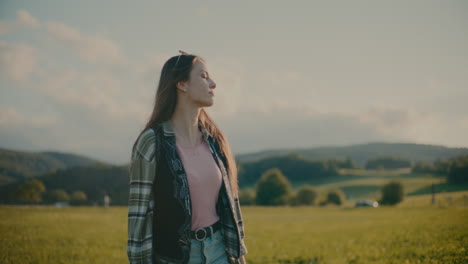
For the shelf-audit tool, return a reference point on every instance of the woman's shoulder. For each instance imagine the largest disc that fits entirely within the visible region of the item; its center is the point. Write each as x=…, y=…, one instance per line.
x=146, y=144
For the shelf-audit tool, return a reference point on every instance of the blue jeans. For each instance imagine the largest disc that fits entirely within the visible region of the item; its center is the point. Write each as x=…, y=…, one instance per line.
x=208, y=251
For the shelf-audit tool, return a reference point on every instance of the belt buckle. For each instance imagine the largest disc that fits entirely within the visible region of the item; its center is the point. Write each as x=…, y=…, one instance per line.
x=196, y=234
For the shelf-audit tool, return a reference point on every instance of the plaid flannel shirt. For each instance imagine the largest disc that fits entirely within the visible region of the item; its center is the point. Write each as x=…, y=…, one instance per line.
x=140, y=202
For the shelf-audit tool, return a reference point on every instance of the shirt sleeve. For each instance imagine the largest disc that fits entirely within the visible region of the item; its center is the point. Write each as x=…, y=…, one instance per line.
x=140, y=204
x=241, y=228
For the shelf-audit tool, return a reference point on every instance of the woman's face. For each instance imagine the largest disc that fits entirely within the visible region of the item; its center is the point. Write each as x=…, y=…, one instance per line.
x=200, y=87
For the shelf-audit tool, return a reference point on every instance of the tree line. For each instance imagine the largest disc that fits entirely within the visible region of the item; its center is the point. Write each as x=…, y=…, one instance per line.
x=298, y=168
x=274, y=189
x=33, y=191
x=456, y=169
x=88, y=185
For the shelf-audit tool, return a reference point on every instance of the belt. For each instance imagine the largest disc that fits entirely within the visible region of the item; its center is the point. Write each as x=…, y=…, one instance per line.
x=201, y=233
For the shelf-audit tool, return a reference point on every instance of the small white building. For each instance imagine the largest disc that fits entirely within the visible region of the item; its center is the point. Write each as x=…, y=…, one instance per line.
x=61, y=204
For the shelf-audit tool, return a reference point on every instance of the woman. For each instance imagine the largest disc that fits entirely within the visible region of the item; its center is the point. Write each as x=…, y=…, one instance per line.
x=183, y=202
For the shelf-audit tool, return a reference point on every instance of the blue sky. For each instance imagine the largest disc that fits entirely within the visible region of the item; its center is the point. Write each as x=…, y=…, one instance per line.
x=80, y=76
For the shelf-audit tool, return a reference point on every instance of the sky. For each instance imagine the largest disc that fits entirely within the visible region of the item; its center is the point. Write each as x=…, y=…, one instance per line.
x=81, y=76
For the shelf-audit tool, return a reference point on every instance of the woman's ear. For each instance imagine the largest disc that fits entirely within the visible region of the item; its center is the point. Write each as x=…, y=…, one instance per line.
x=182, y=86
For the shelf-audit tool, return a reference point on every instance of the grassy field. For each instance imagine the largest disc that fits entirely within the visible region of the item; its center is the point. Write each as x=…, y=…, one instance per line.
x=412, y=232
x=367, y=184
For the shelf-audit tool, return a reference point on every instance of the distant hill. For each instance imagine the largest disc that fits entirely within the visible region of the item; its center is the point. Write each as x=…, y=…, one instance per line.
x=100, y=180
x=18, y=165
x=315, y=166
x=362, y=152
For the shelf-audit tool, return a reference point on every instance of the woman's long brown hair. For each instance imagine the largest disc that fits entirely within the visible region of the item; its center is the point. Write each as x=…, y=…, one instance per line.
x=166, y=100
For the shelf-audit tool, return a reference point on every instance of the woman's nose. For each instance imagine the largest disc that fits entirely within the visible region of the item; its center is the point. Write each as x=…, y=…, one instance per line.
x=213, y=85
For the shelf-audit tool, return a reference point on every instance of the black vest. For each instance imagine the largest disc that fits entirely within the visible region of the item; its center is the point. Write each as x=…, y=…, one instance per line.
x=169, y=214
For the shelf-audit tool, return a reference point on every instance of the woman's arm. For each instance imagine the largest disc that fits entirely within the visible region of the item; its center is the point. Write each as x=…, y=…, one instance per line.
x=142, y=171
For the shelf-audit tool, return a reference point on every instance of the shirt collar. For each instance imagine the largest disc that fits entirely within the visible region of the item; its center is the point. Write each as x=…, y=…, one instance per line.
x=169, y=130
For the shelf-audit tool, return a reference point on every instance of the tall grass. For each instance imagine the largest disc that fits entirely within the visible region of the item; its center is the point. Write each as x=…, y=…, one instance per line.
x=414, y=232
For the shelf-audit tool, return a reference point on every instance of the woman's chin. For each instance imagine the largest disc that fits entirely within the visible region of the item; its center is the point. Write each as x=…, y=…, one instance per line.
x=208, y=103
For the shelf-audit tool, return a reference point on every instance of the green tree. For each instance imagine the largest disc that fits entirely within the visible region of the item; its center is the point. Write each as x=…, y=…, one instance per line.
x=392, y=193
x=423, y=167
x=349, y=164
x=458, y=170
x=78, y=198
x=306, y=195
x=336, y=197
x=247, y=196
x=273, y=188
x=57, y=195
x=388, y=162
x=30, y=191
x=442, y=166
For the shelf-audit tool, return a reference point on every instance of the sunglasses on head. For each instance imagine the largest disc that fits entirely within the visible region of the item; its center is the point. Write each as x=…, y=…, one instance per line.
x=181, y=53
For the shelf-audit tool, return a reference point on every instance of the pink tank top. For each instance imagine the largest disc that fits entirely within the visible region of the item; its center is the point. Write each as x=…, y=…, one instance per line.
x=204, y=178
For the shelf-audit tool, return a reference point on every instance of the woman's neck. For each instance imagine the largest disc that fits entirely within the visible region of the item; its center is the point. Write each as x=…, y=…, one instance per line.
x=184, y=121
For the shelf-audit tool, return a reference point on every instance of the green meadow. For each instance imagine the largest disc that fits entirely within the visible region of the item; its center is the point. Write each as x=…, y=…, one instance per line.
x=366, y=184
x=412, y=232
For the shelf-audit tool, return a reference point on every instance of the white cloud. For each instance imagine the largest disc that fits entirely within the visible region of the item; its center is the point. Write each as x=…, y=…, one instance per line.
x=23, y=20
x=299, y=127
x=391, y=120
x=149, y=69
x=285, y=89
x=229, y=76
x=17, y=61
x=411, y=125
x=9, y=116
x=7, y=27
x=240, y=90
x=416, y=126
x=100, y=91
x=92, y=48
x=87, y=110
x=91, y=108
